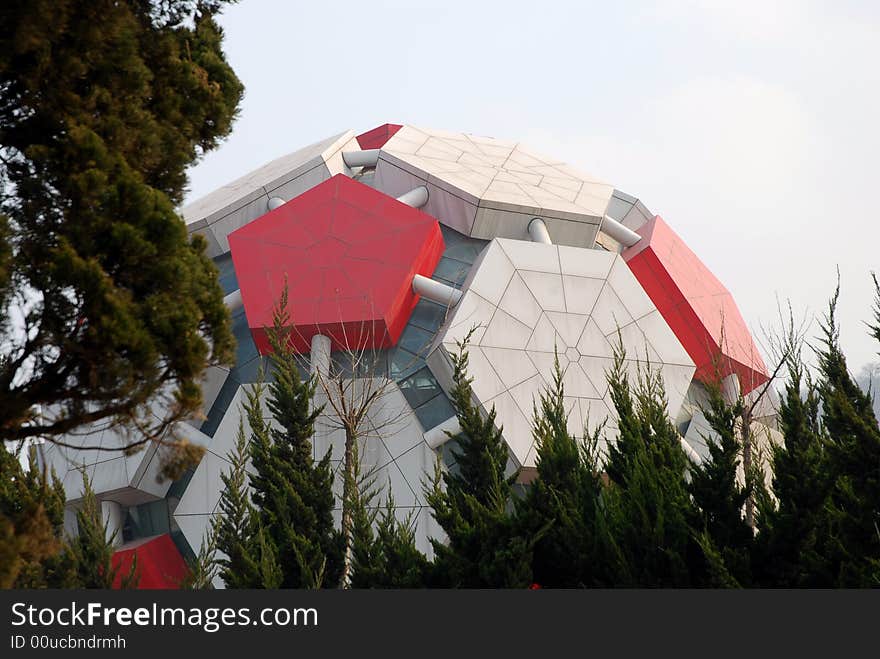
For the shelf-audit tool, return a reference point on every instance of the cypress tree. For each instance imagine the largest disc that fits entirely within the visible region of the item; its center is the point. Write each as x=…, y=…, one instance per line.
x=727, y=538
x=853, y=463
x=384, y=552
x=790, y=549
x=650, y=513
x=203, y=568
x=235, y=528
x=562, y=507
x=31, y=526
x=103, y=106
x=475, y=510
x=291, y=491
x=92, y=549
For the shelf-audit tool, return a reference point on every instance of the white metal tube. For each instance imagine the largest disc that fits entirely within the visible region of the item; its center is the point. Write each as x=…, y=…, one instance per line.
x=417, y=197
x=365, y=158
x=689, y=451
x=437, y=436
x=730, y=389
x=275, y=202
x=620, y=233
x=538, y=231
x=435, y=291
x=319, y=360
x=233, y=301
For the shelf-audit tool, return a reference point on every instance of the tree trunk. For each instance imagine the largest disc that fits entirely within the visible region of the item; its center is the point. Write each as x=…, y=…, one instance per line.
x=348, y=484
x=746, y=435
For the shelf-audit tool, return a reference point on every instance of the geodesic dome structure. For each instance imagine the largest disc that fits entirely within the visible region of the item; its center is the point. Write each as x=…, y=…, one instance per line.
x=396, y=243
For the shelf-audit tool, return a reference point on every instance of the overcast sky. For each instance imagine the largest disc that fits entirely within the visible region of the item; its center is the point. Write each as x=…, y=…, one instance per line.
x=751, y=127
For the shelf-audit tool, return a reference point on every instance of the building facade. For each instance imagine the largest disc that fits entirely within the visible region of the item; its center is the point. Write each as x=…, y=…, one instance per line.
x=394, y=245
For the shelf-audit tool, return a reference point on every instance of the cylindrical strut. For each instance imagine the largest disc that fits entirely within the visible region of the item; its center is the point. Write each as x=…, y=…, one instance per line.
x=365, y=158
x=417, y=197
x=435, y=291
x=538, y=231
x=319, y=358
x=619, y=232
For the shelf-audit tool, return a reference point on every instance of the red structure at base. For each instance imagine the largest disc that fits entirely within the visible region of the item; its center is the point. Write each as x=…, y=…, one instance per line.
x=696, y=305
x=159, y=565
x=348, y=253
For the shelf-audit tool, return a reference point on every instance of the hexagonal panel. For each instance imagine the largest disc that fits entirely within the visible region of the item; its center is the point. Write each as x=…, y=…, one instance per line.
x=486, y=188
x=349, y=254
x=696, y=305
x=533, y=303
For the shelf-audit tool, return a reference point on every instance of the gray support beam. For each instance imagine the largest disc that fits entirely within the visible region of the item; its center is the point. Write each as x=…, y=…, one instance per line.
x=730, y=389
x=437, y=436
x=366, y=158
x=538, y=231
x=624, y=235
x=319, y=363
x=417, y=197
x=436, y=291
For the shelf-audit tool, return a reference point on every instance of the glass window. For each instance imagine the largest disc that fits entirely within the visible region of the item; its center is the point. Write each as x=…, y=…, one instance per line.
x=246, y=348
x=415, y=340
x=428, y=315
x=451, y=271
x=435, y=411
x=419, y=388
x=465, y=252
x=403, y=363
x=227, y=277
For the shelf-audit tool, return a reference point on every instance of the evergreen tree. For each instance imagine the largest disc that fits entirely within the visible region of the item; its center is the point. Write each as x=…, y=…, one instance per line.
x=727, y=538
x=269, y=570
x=563, y=506
x=790, y=548
x=386, y=557
x=293, y=493
x=92, y=549
x=103, y=106
x=31, y=526
x=650, y=513
x=235, y=529
x=484, y=548
x=852, y=459
x=203, y=568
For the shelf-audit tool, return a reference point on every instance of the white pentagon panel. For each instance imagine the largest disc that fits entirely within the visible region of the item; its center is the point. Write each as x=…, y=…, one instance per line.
x=541, y=302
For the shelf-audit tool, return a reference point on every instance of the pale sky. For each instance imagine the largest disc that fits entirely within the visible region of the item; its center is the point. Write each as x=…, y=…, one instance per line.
x=751, y=127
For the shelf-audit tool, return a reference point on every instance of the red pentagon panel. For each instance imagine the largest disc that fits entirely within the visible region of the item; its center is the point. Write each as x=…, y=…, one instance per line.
x=376, y=138
x=159, y=564
x=349, y=253
x=696, y=305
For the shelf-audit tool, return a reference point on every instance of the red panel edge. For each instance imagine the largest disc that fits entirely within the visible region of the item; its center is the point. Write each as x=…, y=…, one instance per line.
x=378, y=136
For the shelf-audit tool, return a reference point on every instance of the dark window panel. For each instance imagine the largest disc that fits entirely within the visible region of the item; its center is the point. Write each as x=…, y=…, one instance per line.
x=419, y=388
x=435, y=411
x=428, y=315
x=415, y=340
x=404, y=363
x=451, y=270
